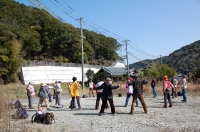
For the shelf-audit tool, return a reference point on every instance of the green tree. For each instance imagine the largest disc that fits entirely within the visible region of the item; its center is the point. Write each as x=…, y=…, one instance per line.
x=10, y=61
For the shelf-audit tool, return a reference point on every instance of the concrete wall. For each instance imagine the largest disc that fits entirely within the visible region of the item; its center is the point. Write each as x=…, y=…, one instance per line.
x=49, y=74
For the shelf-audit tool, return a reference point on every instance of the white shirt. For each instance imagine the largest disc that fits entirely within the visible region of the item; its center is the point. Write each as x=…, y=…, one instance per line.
x=98, y=85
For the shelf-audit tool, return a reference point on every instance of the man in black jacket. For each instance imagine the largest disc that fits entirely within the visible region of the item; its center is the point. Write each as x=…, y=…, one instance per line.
x=138, y=92
x=107, y=95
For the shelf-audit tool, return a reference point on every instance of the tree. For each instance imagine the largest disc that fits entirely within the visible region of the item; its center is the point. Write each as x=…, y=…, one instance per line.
x=90, y=74
x=158, y=71
x=10, y=60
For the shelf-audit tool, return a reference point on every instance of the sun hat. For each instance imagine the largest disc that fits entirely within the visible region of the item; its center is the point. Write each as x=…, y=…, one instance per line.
x=44, y=84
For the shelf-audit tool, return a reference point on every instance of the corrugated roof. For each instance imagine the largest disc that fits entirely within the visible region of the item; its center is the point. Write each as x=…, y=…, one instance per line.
x=115, y=71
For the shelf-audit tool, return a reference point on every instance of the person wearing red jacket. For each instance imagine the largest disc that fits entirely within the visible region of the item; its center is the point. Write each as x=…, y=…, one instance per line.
x=166, y=91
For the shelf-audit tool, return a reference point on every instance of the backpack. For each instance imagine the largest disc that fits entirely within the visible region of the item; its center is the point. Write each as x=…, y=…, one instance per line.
x=38, y=117
x=179, y=93
x=49, y=118
x=22, y=113
x=18, y=104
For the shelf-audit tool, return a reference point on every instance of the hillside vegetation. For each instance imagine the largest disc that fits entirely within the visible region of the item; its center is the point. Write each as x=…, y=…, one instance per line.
x=184, y=59
x=32, y=34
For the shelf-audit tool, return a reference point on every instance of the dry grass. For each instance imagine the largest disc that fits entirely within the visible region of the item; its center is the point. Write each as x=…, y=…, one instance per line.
x=11, y=92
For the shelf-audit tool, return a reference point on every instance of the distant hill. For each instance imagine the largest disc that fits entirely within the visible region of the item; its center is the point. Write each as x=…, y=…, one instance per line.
x=183, y=59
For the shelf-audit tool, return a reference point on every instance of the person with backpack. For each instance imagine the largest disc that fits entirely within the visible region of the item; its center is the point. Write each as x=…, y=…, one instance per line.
x=73, y=88
x=30, y=93
x=166, y=91
x=58, y=90
x=43, y=96
x=153, y=86
x=184, y=89
x=129, y=87
x=107, y=95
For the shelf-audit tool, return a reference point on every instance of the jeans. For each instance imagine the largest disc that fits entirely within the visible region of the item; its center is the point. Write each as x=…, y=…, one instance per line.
x=184, y=91
x=154, y=91
x=127, y=99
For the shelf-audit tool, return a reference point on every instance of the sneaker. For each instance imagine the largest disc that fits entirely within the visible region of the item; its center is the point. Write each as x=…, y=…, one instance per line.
x=131, y=113
x=136, y=105
x=170, y=105
x=114, y=114
x=125, y=105
x=100, y=114
x=145, y=112
x=164, y=106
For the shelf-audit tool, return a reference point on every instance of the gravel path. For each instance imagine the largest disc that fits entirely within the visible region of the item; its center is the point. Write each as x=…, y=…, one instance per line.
x=184, y=117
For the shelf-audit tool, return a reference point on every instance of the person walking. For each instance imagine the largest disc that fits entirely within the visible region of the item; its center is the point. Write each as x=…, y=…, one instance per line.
x=58, y=90
x=73, y=88
x=99, y=94
x=153, y=86
x=174, y=81
x=43, y=96
x=184, y=89
x=91, y=85
x=49, y=87
x=107, y=95
x=129, y=87
x=138, y=92
x=30, y=93
x=166, y=91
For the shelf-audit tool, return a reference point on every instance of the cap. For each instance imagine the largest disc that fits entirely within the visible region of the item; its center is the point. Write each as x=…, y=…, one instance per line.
x=108, y=79
x=131, y=79
x=165, y=78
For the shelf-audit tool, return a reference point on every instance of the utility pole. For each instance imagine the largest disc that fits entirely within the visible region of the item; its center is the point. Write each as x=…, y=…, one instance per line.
x=160, y=60
x=82, y=56
x=126, y=42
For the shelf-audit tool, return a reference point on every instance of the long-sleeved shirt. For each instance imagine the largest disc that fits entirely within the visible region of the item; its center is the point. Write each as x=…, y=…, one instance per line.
x=167, y=85
x=107, y=90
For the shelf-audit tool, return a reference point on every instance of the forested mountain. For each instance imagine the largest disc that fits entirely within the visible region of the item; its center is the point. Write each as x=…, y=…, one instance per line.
x=32, y=34
x=42, y=37
x=183, y=59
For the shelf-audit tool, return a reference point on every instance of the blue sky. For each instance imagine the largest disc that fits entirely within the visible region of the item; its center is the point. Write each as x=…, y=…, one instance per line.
x=154, y=28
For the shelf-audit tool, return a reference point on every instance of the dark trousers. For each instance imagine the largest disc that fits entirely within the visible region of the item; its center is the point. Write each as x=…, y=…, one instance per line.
x=30, y=101
x=78, y=102
x=99, y=96
x=167, y=97
x=49, y=97
x=103, y=106
x=58, y=98
x=141, y=98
